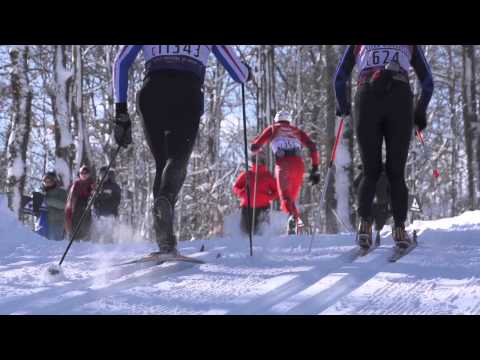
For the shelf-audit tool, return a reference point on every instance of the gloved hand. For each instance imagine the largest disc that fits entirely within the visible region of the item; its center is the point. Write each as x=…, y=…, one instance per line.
x=314, y=177
x=343, y=113
x=420, y=118
x=250, y=73
x=254, y=148
x=123, y=125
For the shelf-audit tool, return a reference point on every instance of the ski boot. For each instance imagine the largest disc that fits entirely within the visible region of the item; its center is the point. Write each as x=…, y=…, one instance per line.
x=163, y=226
x=401, y=237
x=300, y=226
x=291, y=228
x=364, y=234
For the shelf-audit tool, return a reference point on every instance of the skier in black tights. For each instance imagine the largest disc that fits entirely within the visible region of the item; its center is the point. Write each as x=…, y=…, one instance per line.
x=170, y=103
x=384, y=109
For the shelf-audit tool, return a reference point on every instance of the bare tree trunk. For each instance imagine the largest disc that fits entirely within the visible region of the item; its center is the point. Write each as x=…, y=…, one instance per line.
x=61, y=115
x=82, y=144
x=454, y=126
x=331, y=199
x=470, y=117
x=266, y=96
x=4, y=160
x=20, y=129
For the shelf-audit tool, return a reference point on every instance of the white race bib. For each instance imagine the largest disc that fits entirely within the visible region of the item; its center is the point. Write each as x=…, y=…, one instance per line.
x=285, y=143
x=197, y=52
x=372, y=56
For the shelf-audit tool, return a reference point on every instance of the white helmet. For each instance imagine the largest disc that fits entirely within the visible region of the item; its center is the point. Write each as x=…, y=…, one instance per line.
x=283, y=115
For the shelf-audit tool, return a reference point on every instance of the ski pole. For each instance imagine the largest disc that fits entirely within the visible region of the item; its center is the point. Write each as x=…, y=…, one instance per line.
x=327, y=178
x=254, y=194
x=97, y=191
x=332, y=160
x=249, y=207
x=420, y=138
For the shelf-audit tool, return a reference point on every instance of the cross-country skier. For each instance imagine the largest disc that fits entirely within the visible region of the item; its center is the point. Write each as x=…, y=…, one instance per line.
x=384, y=109
x=286, y=142
x=263, y=190
x=170, y=103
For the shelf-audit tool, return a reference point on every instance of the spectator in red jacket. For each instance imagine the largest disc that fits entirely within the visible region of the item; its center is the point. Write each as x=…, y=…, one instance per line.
x=286, y=141
x=77, y=202
x=263, y=190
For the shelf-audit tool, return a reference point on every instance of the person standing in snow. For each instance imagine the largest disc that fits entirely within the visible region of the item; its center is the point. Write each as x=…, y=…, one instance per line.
x=286, y=142
x=48, y=206
x=170, y=104
x=384, y=109
x=105, y=207
x=77, y=202
x=263, y=190
x=107, y=202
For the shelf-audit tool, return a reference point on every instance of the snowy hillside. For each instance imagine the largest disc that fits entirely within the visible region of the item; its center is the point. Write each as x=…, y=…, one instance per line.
x=441, y=276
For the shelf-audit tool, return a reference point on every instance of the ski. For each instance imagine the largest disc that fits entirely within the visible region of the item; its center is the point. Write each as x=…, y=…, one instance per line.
x=399, y=253
x=156, y=257
x=364, y=252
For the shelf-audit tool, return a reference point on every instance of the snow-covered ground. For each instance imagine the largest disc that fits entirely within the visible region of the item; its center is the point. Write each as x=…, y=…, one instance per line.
x=441, y=276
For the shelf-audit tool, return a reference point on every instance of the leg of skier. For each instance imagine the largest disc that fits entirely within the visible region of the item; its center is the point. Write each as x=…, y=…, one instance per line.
x=368, y=126
x=171, y=105
x=398, y=132
x=289, y=173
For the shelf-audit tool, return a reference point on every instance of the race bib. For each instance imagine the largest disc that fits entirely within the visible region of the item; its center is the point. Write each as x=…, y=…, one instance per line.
x=372, y=56
x=285, y=143
x=197, y=52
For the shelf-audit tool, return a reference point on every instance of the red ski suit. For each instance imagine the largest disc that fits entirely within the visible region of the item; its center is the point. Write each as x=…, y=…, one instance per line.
x=266, y=188
x=287, y=140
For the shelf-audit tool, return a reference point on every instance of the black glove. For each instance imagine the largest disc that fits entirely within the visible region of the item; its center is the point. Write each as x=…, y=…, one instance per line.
x=123, y=125
x=254, y=148
x=314, y=177
x=250, y=73
x=420, y=118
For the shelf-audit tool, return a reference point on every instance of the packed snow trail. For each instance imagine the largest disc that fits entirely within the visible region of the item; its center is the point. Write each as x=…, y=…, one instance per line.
x=441, y=276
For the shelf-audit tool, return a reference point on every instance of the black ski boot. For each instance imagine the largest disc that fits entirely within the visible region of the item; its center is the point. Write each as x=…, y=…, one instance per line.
x=292, y=225
x=364, y=234
x=163, y=226
x=401, y=237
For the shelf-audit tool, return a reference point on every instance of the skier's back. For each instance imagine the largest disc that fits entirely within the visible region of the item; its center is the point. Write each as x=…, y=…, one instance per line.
x=286, y=142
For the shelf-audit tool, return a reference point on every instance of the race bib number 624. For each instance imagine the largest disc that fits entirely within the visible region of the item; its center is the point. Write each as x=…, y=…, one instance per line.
x=382, y=57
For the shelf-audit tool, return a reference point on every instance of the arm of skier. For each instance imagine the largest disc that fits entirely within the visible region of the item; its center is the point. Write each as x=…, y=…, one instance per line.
x=424, y=74
x=342, y=75
x=239, y=71
x=239, y=186
x=124, y=59
x=264, y=138
x=308, y=143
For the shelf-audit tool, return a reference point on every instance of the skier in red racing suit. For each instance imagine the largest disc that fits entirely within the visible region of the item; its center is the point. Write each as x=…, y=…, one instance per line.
x=286, y=142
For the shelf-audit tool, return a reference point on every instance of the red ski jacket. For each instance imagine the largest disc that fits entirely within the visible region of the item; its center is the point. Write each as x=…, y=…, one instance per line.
x=266, y=187
x=284, y=136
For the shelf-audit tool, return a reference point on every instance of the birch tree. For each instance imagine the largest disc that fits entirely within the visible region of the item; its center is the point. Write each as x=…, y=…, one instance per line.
x=20, y=128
